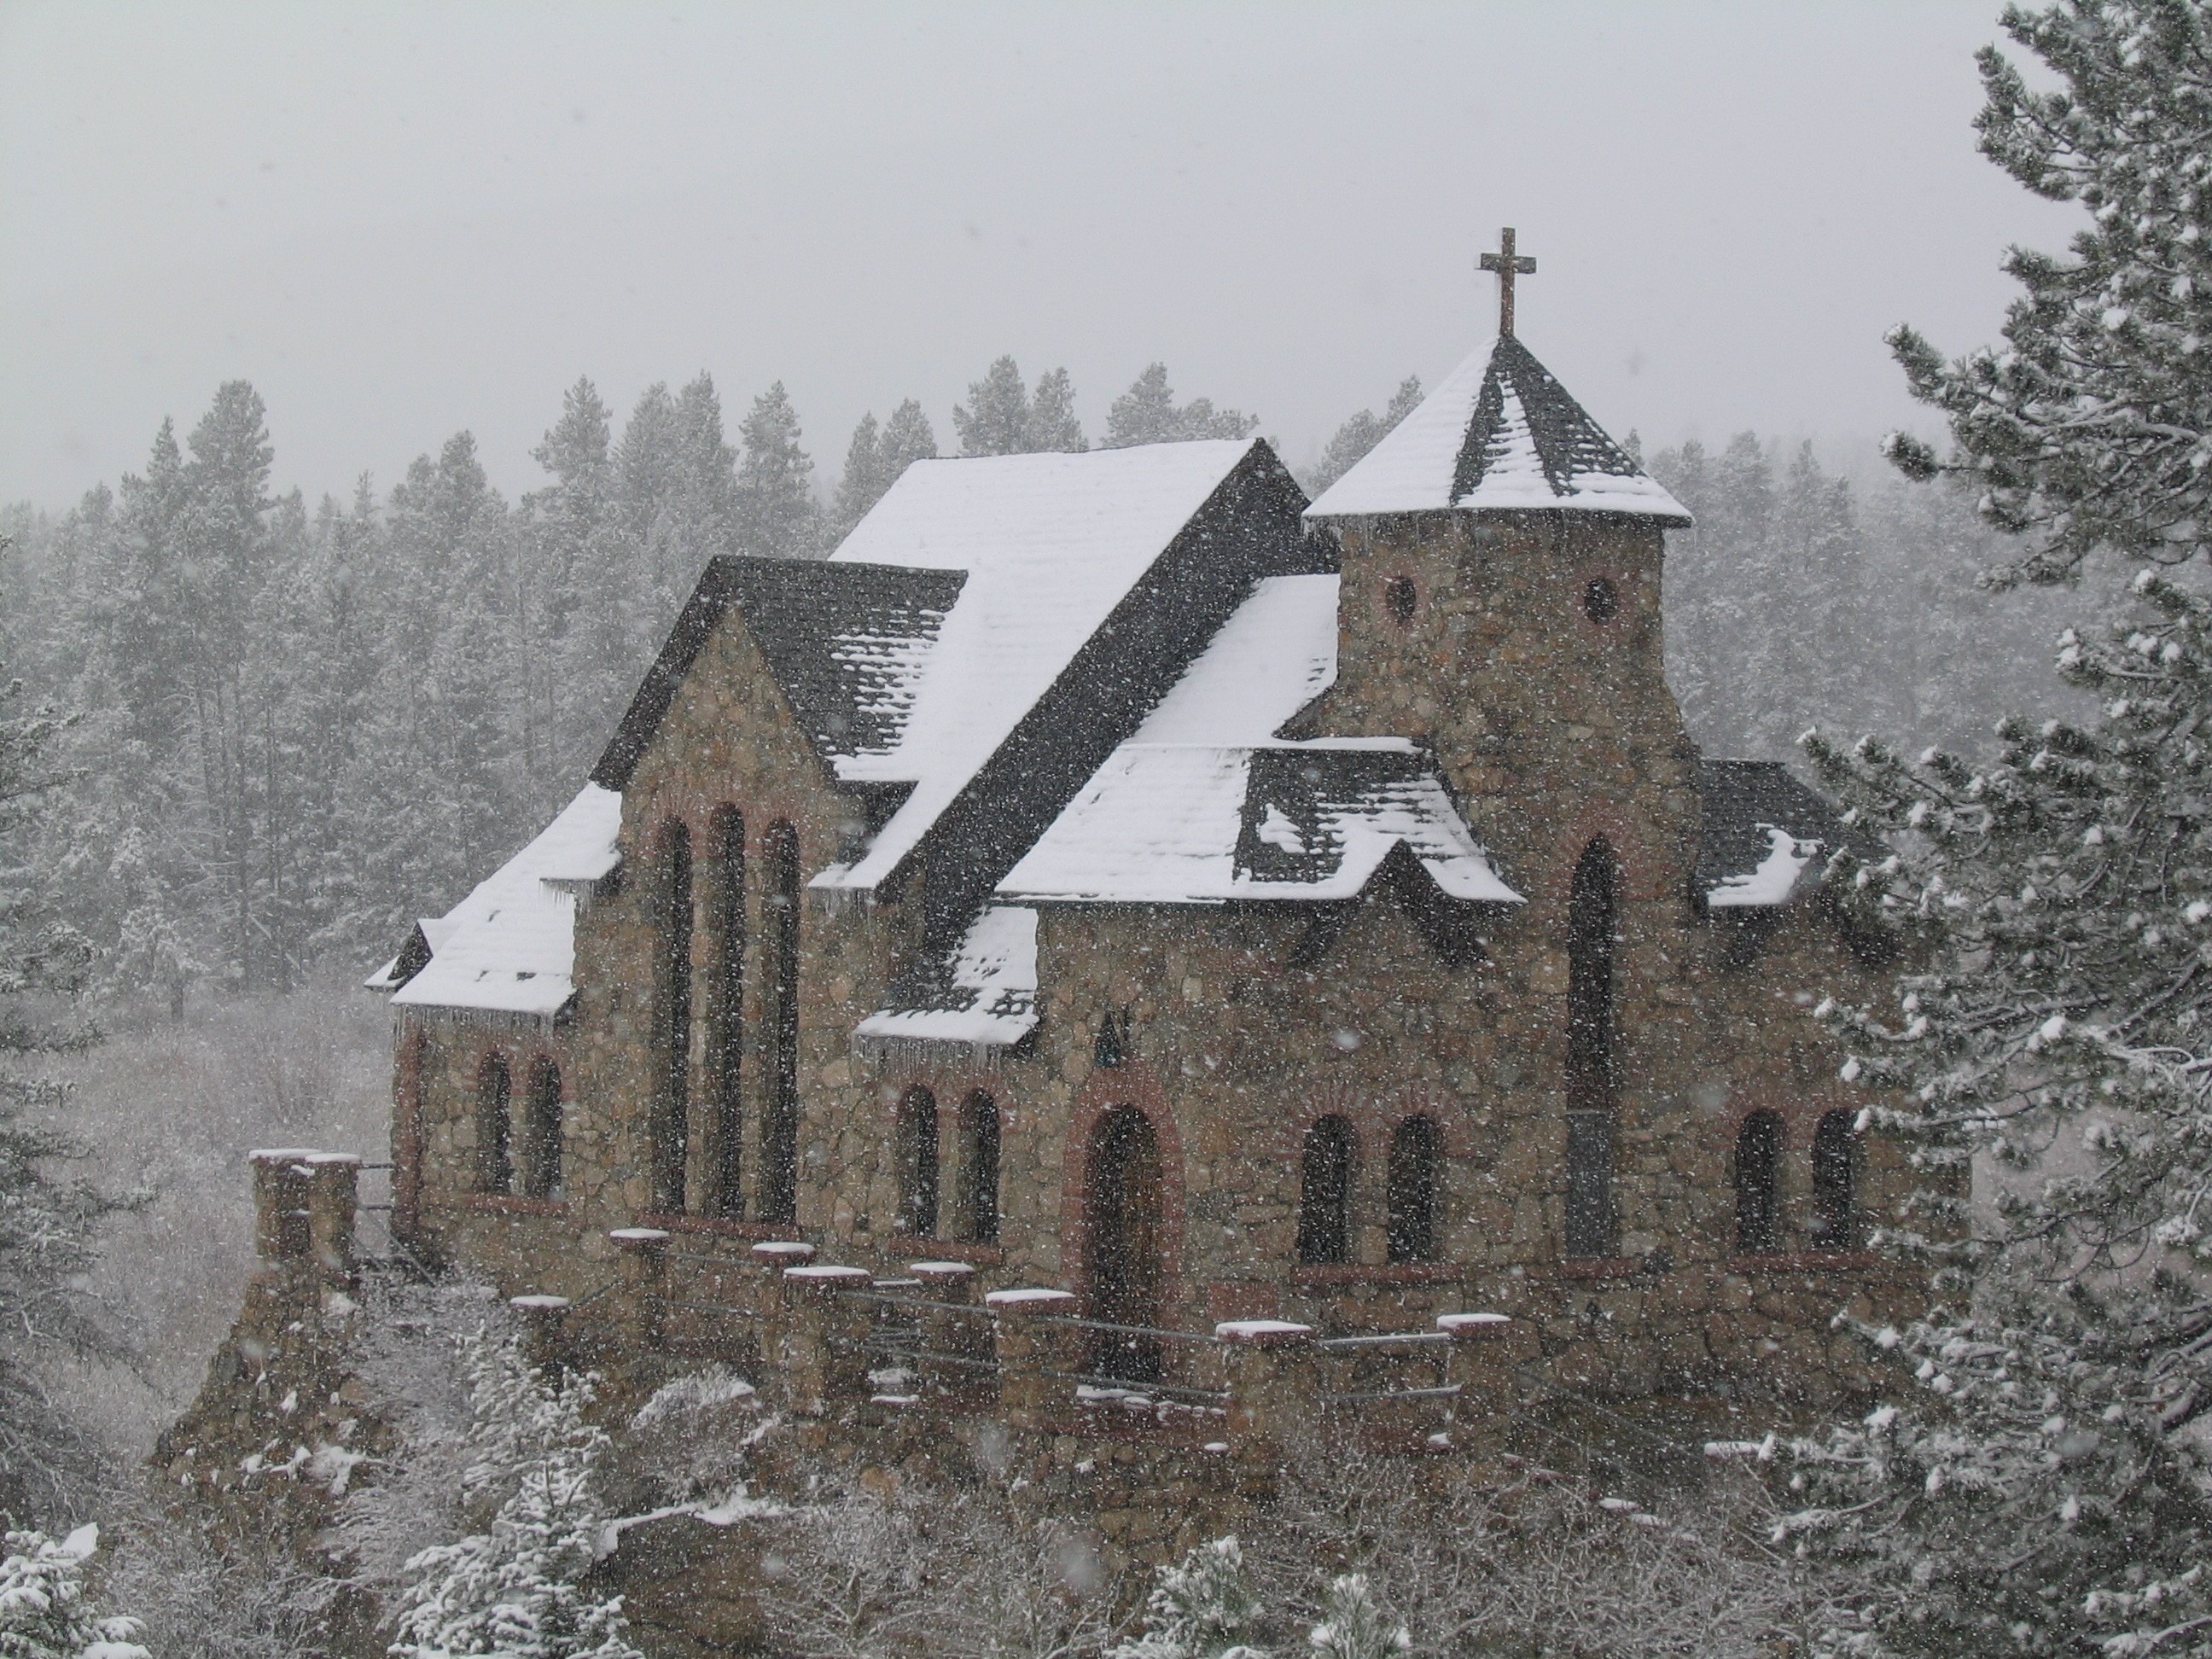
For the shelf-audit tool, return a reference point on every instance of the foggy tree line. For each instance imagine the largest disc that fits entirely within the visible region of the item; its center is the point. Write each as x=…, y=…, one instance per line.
x=303, y=725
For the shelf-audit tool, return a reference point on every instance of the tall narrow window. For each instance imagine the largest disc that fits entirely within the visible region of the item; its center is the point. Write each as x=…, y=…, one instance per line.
x=542, y=1139
x=726, y=1018
x=917, y=1163
x=495, y=1099
x=1836, y=1182
x=1410, y=1229
x=1593, y=918
x=672, y=1108
x=1325, y=1192
x=779, y=1176
x=1758, y=1165
x=979, y=1168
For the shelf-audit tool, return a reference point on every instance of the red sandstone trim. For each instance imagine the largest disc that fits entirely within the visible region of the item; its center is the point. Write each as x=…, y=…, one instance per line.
x=1806, y=1262
x=1599, y=1267
x=1394, y=1272
x=511, y=1204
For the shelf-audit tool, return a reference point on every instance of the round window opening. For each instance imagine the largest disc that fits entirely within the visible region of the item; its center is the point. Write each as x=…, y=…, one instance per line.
x=1400, y=598
x=1600, y=600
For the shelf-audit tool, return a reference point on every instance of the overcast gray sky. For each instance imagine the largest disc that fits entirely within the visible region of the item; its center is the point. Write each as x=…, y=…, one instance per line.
x=398, y=221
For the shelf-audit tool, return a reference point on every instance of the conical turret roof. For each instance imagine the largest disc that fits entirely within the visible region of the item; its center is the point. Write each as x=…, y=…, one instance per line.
x=1499, y=435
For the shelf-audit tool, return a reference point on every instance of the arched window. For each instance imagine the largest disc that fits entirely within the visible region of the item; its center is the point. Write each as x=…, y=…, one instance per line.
x=1593, y=921
x=725, y=1029
x=494, y=1097
x=1757, y=1167
x=1410, y=1224
x=1836, y=1182
x=673, y=1108
x=541, y=1166
x=1325, y=1192
x=917, y=1163
x=779, y=1176
x=979, y=1168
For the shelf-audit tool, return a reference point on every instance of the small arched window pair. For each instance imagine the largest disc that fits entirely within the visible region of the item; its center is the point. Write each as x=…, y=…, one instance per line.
x=976, y=1193
x=540, y=1146
x=1759, y=1146
x=1325, y=1191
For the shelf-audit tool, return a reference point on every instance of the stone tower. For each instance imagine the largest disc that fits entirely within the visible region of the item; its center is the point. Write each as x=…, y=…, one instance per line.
x=1502, y=566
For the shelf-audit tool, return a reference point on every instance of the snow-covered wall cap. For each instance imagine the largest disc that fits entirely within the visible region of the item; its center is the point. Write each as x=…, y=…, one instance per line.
x=510, y=946
x=1499, y=435
x=1051, y=543
x=1035, y=1298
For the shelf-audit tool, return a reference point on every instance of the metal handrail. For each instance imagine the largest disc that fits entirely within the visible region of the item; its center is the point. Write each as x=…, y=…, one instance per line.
x=1337, y=1344
x=711, y=1307
x=967, y=1362
x=968, y=1308
x=1091, y=1379
x=586, y=1301
x=1071, y=1320
x=710, y=1260
x=1447, y=1390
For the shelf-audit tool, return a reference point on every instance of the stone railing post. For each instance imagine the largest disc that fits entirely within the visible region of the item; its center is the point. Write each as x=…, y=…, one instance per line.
x=541, y=1317
x=1483, y=1348
x=1027, y=1349
x=822, y=1338
x=1274, y=1396
x=962, y=1336
x=281, y=1230
x=333, y=1192
x=644, y=1261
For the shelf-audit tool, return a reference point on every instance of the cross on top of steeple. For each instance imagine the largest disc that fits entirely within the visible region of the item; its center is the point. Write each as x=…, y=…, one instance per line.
x=1507, y=267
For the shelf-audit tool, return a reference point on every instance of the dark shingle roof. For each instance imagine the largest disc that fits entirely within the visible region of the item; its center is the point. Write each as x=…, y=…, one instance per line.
x=1742, y=805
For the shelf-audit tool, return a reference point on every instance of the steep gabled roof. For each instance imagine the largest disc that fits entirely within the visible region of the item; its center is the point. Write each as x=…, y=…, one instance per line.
x=847, y=643
x=1092, y=580
x=1763, y=838
x=1203, y=804
x=1498, y=434
x=510, y=946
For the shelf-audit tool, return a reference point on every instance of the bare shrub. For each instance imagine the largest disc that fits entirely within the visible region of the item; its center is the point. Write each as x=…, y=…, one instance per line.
x=198, y=1603
x=1534, y=1563
x=918, y=1574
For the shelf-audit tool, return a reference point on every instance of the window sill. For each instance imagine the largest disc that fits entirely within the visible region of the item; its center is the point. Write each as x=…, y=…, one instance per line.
x=1802, y=1261
x=1394, y=1272
x=715, y=1226
x=512, y=1203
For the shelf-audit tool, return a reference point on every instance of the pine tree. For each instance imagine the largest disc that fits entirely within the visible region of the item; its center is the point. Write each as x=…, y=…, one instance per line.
x=2042, y=1485
x=515, y=1589
x=1053, y=425
x=1360, y=433
x=1201, y=1607
x=777, y=517
x=1002, y=418
x=907, y=438
x=2092, y=425
x=1147, y=414
x=45, y=1613
x=862, y=483
x=1353, y=1627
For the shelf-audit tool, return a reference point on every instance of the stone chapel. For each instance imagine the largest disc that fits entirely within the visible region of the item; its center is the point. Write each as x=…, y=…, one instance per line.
x=1116, y=873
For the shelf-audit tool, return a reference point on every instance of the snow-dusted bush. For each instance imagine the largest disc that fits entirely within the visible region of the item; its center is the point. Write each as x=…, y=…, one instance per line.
x=1203, y=1606
x=1353, y=1627
x=43, y=1611
x=514, y=1588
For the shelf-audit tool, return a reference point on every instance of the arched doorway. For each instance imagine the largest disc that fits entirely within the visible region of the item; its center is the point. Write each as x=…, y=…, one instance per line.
x=1121, y=1217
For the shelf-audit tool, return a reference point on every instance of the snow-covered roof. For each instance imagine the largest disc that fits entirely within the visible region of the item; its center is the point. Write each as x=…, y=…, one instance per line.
x=510, y=946
x=1050, y=545
x=985, y=997
x=1204, y=804
x=1498, y=434
x=1763, y=838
